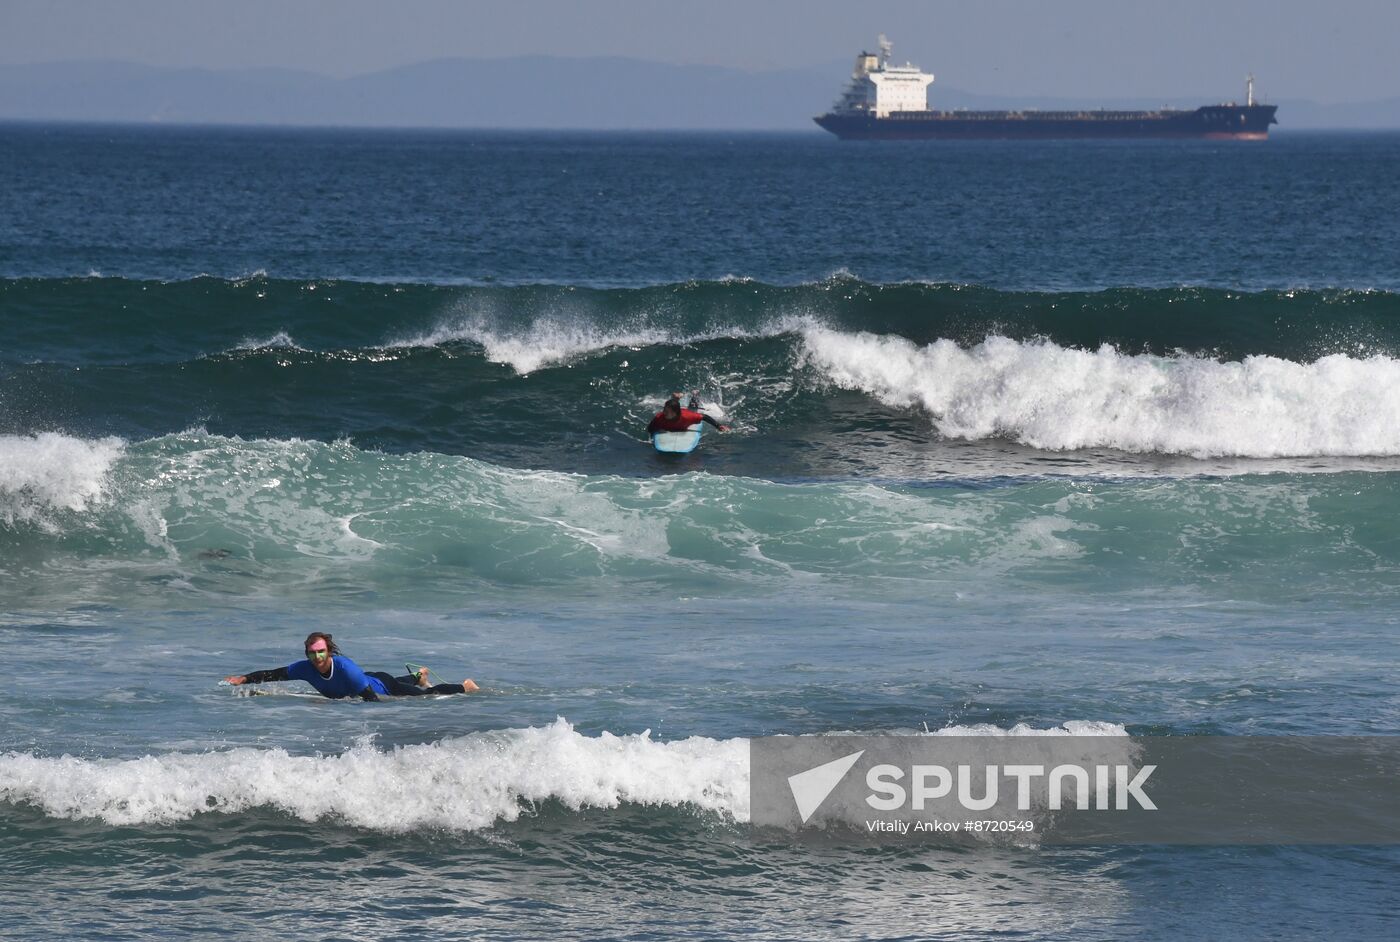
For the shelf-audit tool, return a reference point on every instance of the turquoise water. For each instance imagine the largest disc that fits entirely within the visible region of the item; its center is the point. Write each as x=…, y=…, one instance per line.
x=1087, y=437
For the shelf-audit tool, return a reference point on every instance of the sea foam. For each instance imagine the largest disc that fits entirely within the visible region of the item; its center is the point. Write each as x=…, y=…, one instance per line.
x=310, y=515
x=465, y=783
x=49, y=473
x=1057, y=398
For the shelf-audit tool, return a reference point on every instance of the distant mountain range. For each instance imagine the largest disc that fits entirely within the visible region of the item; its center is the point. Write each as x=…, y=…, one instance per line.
x=522, y=92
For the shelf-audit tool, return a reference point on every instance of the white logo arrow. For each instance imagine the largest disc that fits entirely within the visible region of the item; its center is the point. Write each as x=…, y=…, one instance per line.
x=810, y=788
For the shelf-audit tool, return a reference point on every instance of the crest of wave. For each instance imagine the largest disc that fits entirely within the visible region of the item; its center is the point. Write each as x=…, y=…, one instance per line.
x=542, y=341
x=1053, y=397
x=557, y=338
x=278, y=341
x=464, y=783
x=49, y=473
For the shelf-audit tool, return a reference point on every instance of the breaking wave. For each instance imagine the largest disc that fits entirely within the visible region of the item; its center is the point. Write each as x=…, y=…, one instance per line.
x=1056, y=398
x=46, y=476
x=466, y=783
x=224, y=515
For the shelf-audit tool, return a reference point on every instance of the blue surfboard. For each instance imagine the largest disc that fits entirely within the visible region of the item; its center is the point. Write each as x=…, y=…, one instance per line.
x=677, y=443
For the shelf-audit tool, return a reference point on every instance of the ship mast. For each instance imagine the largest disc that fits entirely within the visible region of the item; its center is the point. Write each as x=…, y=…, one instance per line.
x=885, y=48
x=1249, y=90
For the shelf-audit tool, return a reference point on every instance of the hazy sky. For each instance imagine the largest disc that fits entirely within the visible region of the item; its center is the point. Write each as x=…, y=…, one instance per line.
x=1326, y=50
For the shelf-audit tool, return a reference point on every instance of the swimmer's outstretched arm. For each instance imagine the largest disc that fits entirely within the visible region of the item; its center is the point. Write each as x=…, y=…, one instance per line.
x=258, y=677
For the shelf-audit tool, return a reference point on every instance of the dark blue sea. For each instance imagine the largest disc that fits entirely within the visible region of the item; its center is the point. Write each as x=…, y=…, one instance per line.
x=1028, y=438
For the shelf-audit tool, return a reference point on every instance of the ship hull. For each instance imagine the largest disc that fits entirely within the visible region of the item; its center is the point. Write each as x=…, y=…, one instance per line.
x=1213, y=122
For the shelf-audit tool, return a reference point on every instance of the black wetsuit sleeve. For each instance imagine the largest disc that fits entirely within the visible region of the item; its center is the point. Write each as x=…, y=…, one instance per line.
x=710, y=420
x=262, y=677
x=369, y=694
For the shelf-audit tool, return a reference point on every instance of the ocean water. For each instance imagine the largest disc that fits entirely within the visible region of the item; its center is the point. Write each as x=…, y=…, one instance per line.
x=1090, y=437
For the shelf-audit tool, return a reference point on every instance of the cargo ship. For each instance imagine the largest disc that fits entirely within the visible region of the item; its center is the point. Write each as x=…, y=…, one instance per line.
x=889, y=102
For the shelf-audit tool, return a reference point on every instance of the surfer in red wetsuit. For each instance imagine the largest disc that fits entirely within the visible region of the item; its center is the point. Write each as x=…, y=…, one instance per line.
x=672, y=418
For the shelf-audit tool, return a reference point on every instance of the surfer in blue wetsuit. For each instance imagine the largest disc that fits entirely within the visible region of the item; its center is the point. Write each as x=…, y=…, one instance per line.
x=672, y=418
x=336, y=676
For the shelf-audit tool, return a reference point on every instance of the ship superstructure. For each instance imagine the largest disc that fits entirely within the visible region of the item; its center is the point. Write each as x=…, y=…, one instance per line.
x=879, y=89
